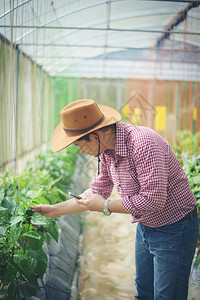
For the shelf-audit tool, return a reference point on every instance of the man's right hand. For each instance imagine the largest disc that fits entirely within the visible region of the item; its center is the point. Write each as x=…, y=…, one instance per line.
x=67, y=207
x=45, y=210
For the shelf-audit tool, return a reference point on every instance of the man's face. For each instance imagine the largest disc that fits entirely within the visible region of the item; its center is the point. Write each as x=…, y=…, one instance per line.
x=89, y=147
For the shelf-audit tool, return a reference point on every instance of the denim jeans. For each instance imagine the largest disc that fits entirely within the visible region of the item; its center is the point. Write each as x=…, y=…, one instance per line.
x=163, y=259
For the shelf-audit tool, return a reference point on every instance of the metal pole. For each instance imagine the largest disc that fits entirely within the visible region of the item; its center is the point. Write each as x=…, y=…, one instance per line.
x=16, y=82
x=97, y=29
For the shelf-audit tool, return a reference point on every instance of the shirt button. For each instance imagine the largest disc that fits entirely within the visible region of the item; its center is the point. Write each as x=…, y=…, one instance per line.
x=119, y=185
x=116, y=166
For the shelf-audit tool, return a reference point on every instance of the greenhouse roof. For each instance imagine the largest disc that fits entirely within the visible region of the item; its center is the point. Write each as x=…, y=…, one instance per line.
x=106, y=38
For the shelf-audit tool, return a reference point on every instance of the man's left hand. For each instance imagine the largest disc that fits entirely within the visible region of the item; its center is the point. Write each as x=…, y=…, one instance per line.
x=93, y=203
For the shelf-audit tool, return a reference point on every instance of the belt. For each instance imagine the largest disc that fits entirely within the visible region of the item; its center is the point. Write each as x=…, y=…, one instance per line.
x=190, y=214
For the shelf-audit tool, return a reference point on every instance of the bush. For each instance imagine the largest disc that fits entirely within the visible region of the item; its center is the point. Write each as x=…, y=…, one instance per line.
x=192, y=169
x=187, y=142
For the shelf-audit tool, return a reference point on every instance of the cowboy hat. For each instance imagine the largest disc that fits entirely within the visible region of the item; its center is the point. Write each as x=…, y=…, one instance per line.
x=80, y=118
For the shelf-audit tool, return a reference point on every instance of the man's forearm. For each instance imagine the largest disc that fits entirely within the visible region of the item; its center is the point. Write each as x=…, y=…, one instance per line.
x=68, y=207
x=72, y=206
x=117, y=207
x=96, y=203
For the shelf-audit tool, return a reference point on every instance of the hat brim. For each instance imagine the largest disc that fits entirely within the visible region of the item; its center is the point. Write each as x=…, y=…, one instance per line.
x=60, y=139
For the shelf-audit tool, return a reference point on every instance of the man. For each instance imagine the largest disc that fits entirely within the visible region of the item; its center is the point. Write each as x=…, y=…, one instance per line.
x=153, y=189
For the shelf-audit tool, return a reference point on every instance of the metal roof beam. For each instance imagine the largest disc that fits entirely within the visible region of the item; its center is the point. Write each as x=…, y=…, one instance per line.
x=98, y=29
x=177, y=1
x=60, y=17
x=14, y=8
x=92, y=46
x=92, y=58
x=181, y=16
x=79, y=46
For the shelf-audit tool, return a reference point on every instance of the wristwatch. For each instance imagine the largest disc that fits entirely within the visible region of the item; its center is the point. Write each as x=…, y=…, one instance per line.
x=106, y=211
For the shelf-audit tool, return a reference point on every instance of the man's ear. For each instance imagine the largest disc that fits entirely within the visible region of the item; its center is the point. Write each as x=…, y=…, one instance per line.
x=93, y=136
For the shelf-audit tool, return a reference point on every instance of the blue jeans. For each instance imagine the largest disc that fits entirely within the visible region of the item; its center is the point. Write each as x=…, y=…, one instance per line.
x=163, y=259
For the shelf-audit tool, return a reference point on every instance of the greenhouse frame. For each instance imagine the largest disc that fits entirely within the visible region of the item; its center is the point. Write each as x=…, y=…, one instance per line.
x=141, y=58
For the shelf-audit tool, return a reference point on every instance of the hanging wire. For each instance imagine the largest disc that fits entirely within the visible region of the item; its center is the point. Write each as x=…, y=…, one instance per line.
x=15, y=131
x=108, y=14
x=171, y=91
x=191, y=102
x=184, y=88
x=198, y=91
x=180, y=127
x=11, y=100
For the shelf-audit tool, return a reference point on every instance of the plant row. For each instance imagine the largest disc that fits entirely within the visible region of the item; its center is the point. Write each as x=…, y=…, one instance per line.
x=22, y=234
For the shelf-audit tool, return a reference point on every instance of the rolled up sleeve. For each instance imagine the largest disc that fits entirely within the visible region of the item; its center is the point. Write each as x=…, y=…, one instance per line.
x=101, y=184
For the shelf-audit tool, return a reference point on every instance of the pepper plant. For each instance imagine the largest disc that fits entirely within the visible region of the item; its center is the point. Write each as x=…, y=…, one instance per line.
x=22, y=234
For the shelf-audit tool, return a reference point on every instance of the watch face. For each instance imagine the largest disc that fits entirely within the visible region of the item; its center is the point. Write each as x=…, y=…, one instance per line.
x=107, y=212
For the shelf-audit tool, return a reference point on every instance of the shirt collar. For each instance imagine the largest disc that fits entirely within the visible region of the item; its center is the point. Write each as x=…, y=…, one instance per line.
x=121, y=142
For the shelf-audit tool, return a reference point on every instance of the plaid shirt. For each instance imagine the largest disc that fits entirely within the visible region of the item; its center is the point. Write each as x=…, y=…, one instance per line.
x=147, y=175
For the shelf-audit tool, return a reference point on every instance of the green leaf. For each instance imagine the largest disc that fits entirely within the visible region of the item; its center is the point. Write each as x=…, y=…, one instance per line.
x=10, y=190
x=1, y=194
x=9, y=274
x=53, y=230
x=196, y=180
x=197, y=261
x=21, y=210
x=2, y=230
x=16, y=232
x=23, y=262
x=39, y=200
x=13, y=291
x=47, y=237
x=53, y=198
x=35, y=193
x=37, y=219
x=9, y=203
x=30, y=289
x=56, y=180
x=37, y=244
x=48, y=223
x=61, y=192
x=40, y=258
x=3, y=208
x=15, y=219
x=32, y=234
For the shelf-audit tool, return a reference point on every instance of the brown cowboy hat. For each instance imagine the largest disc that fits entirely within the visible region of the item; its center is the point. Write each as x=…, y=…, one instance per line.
x=80, y=118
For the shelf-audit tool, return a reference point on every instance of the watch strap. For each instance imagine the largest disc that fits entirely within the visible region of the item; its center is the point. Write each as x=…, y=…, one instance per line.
x=106, y=211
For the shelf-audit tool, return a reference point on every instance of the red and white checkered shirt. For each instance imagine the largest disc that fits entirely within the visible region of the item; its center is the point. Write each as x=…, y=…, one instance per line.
x=147, y=175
